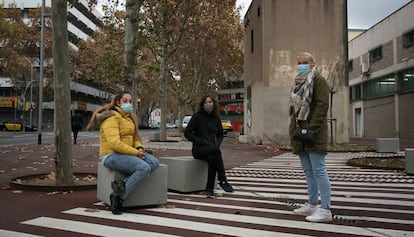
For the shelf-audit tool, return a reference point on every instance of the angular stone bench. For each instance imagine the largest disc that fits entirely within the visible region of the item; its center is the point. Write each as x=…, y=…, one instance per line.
x=151, y=191
x=409, y=161
x=154, y=137
x=186, y=174
x=246, y=139
x=387, y=145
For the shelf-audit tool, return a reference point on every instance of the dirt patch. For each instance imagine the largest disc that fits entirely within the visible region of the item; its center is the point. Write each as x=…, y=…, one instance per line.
x=388, y=163
x=48, y=182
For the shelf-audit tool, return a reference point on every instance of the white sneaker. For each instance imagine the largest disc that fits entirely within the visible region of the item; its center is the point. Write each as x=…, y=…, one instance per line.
x=305, y=210
x=321, y=215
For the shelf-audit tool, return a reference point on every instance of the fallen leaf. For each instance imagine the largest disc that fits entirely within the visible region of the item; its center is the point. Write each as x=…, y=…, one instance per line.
x=169, y=206
x=17, y=191
x=92, y=210
x=2, y=171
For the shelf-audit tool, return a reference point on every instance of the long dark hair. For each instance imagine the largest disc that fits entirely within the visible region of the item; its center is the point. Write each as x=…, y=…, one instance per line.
x=201, y=105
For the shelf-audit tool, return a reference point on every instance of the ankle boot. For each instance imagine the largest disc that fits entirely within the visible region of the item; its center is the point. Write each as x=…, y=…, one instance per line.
x=116, y=204
x=118, y=186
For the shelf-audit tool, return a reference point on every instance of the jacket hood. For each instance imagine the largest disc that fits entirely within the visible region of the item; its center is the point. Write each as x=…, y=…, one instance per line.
x=100, y=117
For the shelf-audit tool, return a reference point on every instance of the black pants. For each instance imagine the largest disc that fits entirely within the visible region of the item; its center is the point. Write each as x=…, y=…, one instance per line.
x=75, y=134
x=212, y=155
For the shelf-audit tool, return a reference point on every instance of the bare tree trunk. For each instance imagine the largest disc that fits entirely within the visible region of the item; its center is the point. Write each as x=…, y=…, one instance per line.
x=62, y=127
x=163, y=97
x=130, y=57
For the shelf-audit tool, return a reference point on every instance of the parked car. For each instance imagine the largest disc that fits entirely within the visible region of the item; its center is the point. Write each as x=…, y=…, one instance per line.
x=186, y=119
x=18, y=126
x=170, y=125
x=227, y=126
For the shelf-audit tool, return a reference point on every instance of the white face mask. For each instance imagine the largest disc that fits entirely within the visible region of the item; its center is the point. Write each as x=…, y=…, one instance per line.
x=209, y=107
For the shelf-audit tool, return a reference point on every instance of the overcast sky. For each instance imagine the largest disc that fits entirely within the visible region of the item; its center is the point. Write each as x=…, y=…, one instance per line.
x=362, y=14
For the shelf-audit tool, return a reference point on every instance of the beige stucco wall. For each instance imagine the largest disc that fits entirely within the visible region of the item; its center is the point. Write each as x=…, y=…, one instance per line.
x=282, y=29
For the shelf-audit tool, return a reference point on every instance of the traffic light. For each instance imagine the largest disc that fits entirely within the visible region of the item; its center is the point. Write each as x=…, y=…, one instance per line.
x=14, y=102
x=139, y=102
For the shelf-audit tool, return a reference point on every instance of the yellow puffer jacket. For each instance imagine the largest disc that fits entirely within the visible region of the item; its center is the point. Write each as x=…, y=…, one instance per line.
x=117, y=133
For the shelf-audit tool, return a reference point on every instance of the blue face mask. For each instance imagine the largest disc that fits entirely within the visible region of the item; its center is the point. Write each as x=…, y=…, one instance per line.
x=302, y=68
x=127, y=107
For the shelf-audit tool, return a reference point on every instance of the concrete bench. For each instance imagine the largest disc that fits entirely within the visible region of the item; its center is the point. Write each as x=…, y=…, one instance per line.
x=246, y=139
x=154, y=137
x=186, y=174
x=387, y=145
x=152, y=191
x=409, y=160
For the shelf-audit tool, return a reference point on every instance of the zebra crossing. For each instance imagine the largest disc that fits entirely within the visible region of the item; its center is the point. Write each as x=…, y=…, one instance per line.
x=366, y=202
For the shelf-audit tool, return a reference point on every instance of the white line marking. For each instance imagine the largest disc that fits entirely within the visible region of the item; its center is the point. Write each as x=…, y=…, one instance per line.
x=9, y=233
x=276, y=222
x=264, y=210
x=182, y=224
x=89, y=228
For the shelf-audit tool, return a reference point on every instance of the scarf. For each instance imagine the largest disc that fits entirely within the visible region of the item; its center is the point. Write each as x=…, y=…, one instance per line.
x=301, y=94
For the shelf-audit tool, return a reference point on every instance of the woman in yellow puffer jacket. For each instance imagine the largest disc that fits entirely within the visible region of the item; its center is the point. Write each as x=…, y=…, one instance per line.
x=120, y=147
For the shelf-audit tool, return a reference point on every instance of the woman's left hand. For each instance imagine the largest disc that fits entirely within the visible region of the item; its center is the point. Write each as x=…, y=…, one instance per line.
x=141, y=153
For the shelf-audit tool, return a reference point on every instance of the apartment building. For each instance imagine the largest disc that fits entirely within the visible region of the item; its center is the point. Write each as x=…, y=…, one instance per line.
x=381, y=78
x=276, y=31
x=82, y=22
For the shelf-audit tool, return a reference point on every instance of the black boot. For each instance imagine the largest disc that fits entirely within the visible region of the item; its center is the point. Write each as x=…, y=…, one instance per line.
x=118, y=186
x=116, y=204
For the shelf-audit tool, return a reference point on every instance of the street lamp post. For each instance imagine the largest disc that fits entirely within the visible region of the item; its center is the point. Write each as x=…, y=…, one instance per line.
x=31, y=97
x=40, y=105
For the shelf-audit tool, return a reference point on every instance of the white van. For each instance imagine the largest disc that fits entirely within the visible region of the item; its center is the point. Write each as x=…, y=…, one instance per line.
x=186, y=120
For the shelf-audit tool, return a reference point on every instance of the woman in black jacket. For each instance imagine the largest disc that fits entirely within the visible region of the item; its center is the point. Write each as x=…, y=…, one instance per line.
x=206, y=133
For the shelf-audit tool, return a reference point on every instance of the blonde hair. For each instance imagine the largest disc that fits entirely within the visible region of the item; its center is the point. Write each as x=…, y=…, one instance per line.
x=112, y=106
x=309, y=55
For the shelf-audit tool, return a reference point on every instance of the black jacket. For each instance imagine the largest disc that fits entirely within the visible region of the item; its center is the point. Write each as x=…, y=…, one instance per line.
x=204, y=129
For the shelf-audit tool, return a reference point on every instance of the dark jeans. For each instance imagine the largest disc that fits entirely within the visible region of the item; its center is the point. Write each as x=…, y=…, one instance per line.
x=75, y=134
x=212, y=155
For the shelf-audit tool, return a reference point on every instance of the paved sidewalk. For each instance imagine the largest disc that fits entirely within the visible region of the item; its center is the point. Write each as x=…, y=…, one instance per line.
x=268, y=184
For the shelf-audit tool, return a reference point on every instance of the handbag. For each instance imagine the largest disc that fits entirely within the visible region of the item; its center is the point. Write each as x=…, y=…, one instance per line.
x=305, y=135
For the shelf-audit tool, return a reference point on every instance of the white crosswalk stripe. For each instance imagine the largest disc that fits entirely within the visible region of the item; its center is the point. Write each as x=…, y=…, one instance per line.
x=88, y=228
x=366, y=202
x=9, y=233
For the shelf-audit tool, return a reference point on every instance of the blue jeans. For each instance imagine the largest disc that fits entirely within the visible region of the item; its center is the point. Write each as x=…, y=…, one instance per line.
x=135, y=168
x=317, y=180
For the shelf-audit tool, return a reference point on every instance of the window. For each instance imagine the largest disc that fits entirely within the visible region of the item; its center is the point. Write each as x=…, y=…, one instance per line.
x=375, y=54
x=408, y=39
x=351, y=65
x=251, y=41
x=407, y=81
x=380, y=87
x=258, y=11
x=355, y=92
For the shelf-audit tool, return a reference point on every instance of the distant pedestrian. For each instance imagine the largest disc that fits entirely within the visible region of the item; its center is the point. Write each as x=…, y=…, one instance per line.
x=77, y=123
x=121, y=148
x=309, y=103
x=206, y=133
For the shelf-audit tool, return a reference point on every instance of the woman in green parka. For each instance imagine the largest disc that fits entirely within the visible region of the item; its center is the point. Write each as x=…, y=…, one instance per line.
x=309, y=103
